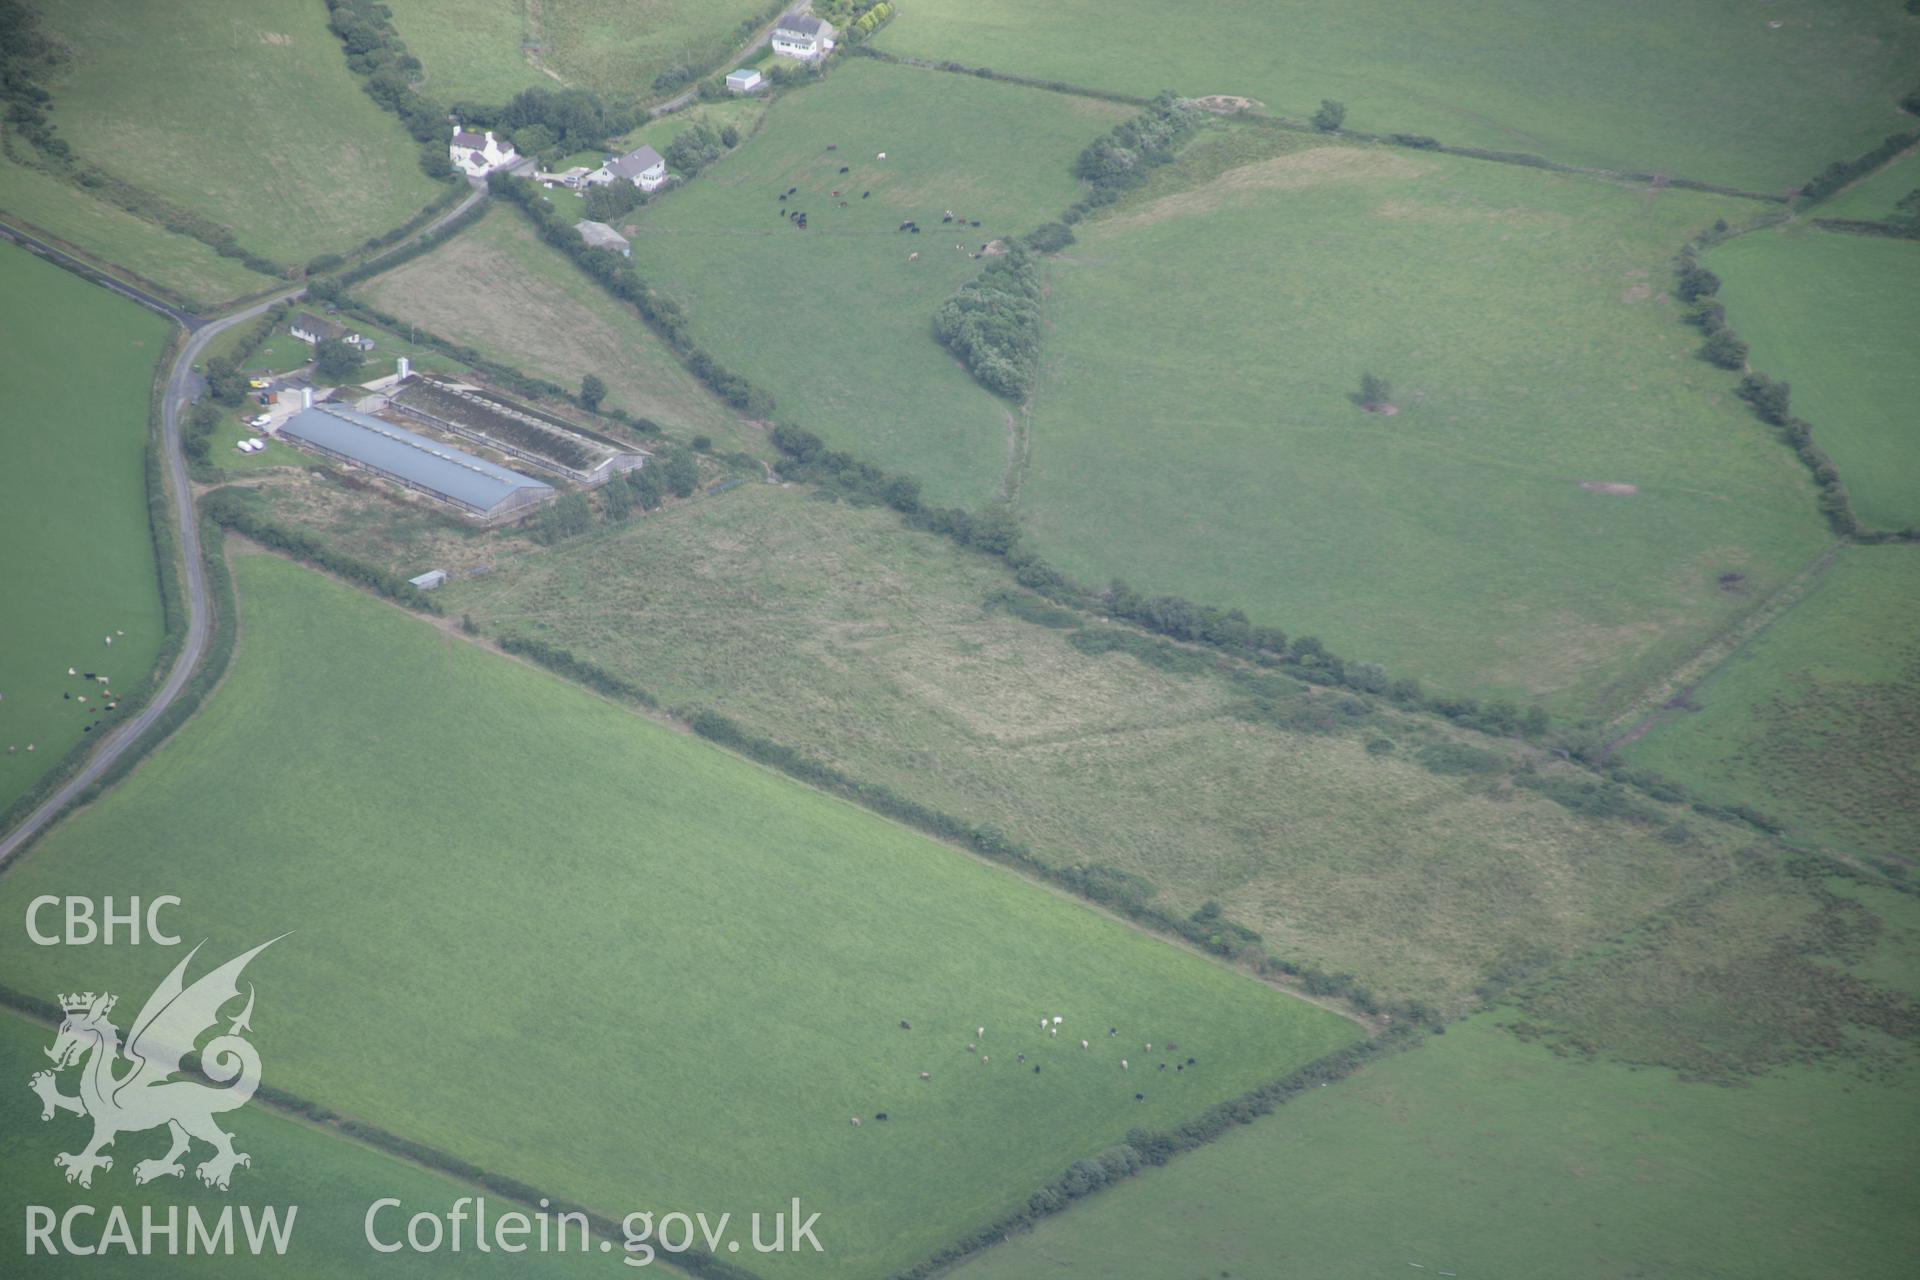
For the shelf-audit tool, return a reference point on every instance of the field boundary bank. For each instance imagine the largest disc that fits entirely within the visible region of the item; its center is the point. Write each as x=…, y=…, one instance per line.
x=1142, y=1149
x=293, y=1107
x=1768, y=400
x=1224, y=631
x=1864, y=227
x=1676, y=687
x=1408, y=141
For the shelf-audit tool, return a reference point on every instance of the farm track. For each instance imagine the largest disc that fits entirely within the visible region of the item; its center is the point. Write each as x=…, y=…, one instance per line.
x=181, y=389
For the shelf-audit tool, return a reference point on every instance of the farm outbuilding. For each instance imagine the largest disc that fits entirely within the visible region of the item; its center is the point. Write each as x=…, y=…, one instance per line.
x=313, y=330
x=429, y=580
x=602, y=236
x=427, y=466
x=745, y=80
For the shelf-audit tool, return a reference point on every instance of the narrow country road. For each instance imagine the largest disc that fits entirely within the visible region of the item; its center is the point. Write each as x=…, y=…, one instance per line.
x=179, y=393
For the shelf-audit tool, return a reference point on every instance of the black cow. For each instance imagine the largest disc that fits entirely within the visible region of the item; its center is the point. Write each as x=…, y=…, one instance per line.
x=904, y=1025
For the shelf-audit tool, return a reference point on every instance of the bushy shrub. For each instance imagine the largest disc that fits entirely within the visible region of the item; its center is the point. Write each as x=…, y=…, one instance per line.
x=993, y=323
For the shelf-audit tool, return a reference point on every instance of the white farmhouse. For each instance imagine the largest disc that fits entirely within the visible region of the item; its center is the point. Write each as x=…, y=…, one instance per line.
x=643, y=167
x=803, y=37
x=477, y=155
x=311, y=329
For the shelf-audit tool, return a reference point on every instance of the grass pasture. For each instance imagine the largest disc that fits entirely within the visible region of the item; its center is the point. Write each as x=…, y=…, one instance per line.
x=772, y=301
x=76, y=368
x=242, y=110
x=332, y=1181
x=838, y=631
x=489, y=50
x=710, y=962
x=1814, y=720
x=1836, y=316
x=1559, y=456
x=1483, y=1156
x=177, y=264
x=1872, y=198
x=498, y=289
x=1636, y=85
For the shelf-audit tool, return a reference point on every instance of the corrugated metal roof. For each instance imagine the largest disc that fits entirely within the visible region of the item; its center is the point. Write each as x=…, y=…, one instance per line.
x=409, y=455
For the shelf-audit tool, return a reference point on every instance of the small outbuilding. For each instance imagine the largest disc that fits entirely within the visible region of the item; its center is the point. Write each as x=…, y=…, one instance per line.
x=429, y=580
x=745, y=80
x=602, y=236
x=311, y=329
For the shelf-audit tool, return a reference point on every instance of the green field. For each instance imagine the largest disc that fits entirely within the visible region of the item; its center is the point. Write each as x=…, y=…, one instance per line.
x=498, y=289
x=76, y=369
x=1706, y=89
x=1814, y=720
x=1836, y=316
x=175, y=263
x=489, y=50
x=330, y=1180
x=1548, y=514
x=242, y=111
x=1481, y=1156
x=708, y=966
x=1873, y=197
x=1726, y=1092
x=772, y=301
x=875, y=648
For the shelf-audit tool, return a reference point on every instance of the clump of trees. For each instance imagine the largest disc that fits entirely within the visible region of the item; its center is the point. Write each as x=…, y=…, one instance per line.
x=24, y=55
x=1376, y=392
x=682, y=472
x=592, y=391
x=573, y=119
x=1330, y=116
x=993, y=323
x=697, y=147
x=1121, y=159
x=339, y=360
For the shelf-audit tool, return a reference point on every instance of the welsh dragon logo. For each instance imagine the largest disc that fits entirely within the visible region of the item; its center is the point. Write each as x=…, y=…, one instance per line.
x=136, y=1087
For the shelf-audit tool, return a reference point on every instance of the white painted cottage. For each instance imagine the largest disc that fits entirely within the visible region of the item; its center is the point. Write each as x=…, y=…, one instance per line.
x=477, y=155
x=803, y=37
x=643, y=167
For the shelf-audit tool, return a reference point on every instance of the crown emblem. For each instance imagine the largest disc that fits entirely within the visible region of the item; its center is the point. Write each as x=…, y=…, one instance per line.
x=80, y=1002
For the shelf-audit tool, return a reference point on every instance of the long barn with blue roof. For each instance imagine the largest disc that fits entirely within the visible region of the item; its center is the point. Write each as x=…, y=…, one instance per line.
x=484, y=489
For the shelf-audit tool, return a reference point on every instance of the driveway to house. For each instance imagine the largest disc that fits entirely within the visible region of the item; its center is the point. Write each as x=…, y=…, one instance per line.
x=183, y=387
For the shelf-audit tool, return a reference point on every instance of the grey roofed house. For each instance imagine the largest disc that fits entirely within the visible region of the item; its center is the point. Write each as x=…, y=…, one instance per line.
x=414, y=460
x=804, y=24
x=602, y=236
x=468, y=138
x=635, y=163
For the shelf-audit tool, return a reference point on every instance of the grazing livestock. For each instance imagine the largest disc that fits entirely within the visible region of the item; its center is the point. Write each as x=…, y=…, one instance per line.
x=926, y=1075
x=1057, y=1019
x=1113, y=1031
x=791, y=190
x=1180, y=1068
x=881, y=156
x=1036, y=1068
x=1139, y=1097
x=1163, y=1066
x=67, y=696
x=1149, y=1046
x=1085, y=1045
x=1022, y=1058
x=1123, y=1064
x=855, y=1121
x=904, y=1026
x=843, y=168
x=1189, y=1061
x=1054, y=1032
x=974, y=223
x=843, y=204
x=913, y=257
x=865, y=194
x=981, y=1032
x=879, y=1115
x=70, y=671
x=973, y=1048
x=29, y=746
x=984, y=1059
x=84, y=675
x=109, y=641
x=833, y=146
